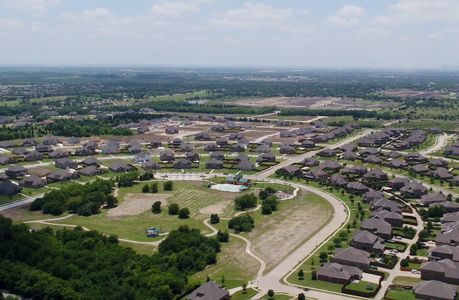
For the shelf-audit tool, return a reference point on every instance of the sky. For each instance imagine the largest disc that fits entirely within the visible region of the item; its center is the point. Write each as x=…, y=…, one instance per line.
x=411, y=34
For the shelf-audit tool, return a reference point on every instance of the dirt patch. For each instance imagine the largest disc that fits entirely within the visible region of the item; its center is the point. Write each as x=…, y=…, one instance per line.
x=285, y=230
x=135, y=204
x=216, y=208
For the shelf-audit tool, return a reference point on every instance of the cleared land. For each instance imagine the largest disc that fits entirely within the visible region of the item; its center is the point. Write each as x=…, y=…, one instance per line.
x=277, y=235
x=135, y=204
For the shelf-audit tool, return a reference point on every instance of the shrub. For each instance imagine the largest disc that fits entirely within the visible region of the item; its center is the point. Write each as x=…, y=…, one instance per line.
x=242, y=223
x=154, y=188
x=146, y=188
x=245, y=202
x=173, y=209
x=156, y=207
x=223, y=237
x=214, y=219
x=168, y=185
x=54, y=207
x=184, y=213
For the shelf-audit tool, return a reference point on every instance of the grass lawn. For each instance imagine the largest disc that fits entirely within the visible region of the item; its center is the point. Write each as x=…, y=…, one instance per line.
x=400, y=294
x=406, y=280
x=422, y=252
x=191, y=195
x=12, y=198
x=362, y=286
x=233, y=263
x=244, y=295
x=398, y=246
x=416, y=266
x=139, y=248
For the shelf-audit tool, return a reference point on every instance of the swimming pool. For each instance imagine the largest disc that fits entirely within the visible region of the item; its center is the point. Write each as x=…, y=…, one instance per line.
x=225, y=187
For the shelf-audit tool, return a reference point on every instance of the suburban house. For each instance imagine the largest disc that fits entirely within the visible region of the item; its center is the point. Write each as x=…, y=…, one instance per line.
x=386, y=204
x=448, y=238
x=64, y=163
x=393, y=218
x=367, y=241
x=413, y=190
x=214, y=164
x=372, y=196
x=217, y=155
x=266, y=157
x=7, y=188
x=435, y=290
x=357, y=188
x=444, y=252
x=338, y=273
x=166, y=155
x=451, y=217
x=16, y=171
x=209, y=291
x=91, y=161
x=245, y=165
x=429, y=199
x=142, y=157
x=397, y=183
x=192, y=156
x=353, y=257
x=32, y=181
x=61, y=175
x=182, y=163
x=150, y=166
x=378, y=226
x=33, y=156
x=90, y=171
x=120, y=167
x=444, y=270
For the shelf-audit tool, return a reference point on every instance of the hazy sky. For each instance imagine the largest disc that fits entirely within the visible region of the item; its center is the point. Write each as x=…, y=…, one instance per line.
x=320, y=33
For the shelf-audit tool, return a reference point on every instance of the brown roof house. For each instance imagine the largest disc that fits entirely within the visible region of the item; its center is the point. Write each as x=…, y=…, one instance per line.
x=378, y=226
x=435, y=290
x=7, y=188
x=32, y=181
x=214, y=164
x=16, y=171
x=209, y=291
x=444, y=270
x=367, y=241
x=167, y=155
x=444, y=252
x=182, y=163
x=338, y=273
x=353, y=257
x=64, y=163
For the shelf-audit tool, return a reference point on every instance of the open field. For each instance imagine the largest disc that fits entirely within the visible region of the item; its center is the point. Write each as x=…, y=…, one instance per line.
x=277, y=235
x=233, y=263
x=314, y=102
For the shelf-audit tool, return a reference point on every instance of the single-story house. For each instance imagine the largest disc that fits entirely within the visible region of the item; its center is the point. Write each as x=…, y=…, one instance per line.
x=353, y=257
x=338, y=273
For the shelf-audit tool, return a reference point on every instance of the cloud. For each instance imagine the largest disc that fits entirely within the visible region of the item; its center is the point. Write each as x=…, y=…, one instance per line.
x=348, y=16
x=175, y=9
x=253, y=15
x=426, y=9
x=29, y=5
x=10, y=23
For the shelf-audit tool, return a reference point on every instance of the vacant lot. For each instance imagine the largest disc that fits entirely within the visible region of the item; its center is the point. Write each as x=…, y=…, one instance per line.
x=277, y=235
x=135, y=204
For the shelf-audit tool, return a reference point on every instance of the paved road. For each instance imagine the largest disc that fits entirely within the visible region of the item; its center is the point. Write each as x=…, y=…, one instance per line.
x=268, y=172
x=440, y=143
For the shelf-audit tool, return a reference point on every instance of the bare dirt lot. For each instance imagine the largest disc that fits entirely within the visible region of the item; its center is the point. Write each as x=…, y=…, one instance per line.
x=313, y=102
x=135, y=204
x=216, y=208
x=283, y=231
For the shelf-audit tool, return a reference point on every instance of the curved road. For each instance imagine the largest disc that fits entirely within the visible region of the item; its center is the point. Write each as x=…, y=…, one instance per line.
x=440, y=143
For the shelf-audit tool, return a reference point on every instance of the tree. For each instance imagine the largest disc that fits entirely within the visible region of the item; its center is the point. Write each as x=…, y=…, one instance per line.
x=270, y=293
x=300, y=274
x=154, y=188
x=413, y=249
x=242, y=223
x=301, y=296
x=146, y=188
x=245, y=202
x=168, y=185
x=323, y=256
x=214, y=219
x=244, y=287
x=223, y=236
x=173, y=209
x=156, y=207
x=404, y=263
x=184, y=213
x=111, y=201
x=314, y=275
